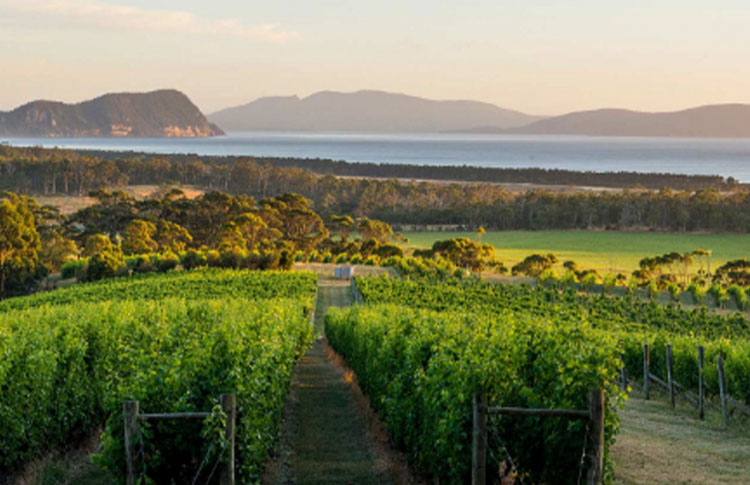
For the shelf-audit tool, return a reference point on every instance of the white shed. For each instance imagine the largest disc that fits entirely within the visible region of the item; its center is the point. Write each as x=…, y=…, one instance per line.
x=344, y=272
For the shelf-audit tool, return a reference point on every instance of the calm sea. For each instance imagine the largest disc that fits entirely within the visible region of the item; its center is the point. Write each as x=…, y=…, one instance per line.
x=726, y=157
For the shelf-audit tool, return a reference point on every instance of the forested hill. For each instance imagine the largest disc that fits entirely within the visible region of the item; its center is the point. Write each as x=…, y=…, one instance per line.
x=716, y=121
x=374, y=111
x=165, y=113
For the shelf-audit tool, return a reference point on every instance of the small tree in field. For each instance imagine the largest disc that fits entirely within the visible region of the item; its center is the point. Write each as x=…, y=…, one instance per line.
x=535, y=264
x=95, y=244
x=138, y=237
x=374, y=229
x=105, y=259
x=105, y=264
x=467, y=254
x=735, y=272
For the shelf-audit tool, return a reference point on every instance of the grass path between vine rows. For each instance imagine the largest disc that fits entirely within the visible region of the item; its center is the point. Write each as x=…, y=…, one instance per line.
x=328, y=436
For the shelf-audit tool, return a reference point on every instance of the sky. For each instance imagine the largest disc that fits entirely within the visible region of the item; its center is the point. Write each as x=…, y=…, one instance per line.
x=542, y=57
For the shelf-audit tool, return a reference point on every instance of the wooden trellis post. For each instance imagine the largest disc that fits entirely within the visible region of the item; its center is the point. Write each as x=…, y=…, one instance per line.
x=229, y=406
x=132, y=421
x=132, y=432
x=646, y=370
x=670, y=378
x=479, y=440
x=722, y=390
x=701, y=386
x=594, y=415
x=595, y=442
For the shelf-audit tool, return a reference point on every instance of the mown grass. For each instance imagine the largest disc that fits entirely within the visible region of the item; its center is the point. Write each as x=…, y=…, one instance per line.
x=660, y=445
x=603, y=251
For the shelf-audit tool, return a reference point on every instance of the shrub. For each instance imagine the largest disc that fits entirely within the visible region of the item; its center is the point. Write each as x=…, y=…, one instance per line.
x=674, y=291
x=285, y=260
x=569, y=279
x=549, y=278
x=269, y=259
x=391, y=261
x=389, y=250
x=213, y=258
x=104, y=264
x=167, y=262
x=739, y=295
x=589, y=281
x=719, y=294
x=71, y=269
x=610, y=281
x=697, y=292
x=192, y=259
x=141, y=263
x=231, y=258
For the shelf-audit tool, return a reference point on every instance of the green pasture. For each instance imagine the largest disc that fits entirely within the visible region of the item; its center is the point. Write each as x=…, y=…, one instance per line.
x=603, y=251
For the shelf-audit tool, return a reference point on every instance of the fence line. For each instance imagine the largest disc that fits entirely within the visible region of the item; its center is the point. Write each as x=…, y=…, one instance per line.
x=594, y=442
x=132, y=419
x=699, y=400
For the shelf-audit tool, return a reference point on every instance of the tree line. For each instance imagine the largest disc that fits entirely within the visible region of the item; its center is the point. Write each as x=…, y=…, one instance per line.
x=468, y=205
x=468, y=173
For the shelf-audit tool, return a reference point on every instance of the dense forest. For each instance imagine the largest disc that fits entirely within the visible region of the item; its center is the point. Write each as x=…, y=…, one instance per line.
x=711, y=208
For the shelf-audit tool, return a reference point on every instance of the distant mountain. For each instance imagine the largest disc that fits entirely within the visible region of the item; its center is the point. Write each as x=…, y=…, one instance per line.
x=720, y=121
x=373, y=111
x=165, y=113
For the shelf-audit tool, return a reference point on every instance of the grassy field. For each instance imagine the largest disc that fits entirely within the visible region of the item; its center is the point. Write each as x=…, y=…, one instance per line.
x=604, y=251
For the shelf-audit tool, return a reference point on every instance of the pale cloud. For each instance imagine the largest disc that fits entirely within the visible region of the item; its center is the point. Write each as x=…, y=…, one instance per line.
x=101, y=15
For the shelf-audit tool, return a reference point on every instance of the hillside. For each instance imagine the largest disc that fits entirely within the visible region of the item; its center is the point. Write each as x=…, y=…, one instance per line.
x=374, y=111
x=165, y=113
x=721, y=121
